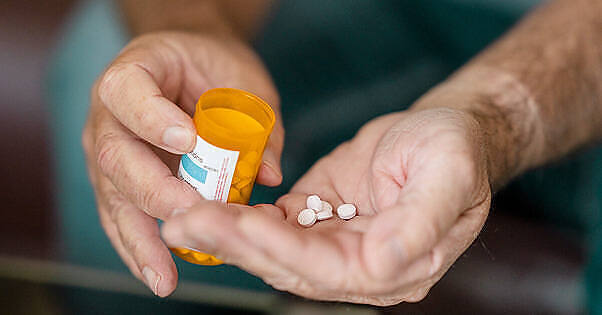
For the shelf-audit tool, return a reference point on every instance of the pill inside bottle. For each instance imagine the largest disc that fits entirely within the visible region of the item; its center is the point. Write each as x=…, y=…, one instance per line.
x=233, y=127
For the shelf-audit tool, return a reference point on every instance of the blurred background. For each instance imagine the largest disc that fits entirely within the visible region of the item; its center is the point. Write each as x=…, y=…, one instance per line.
x=54, y=258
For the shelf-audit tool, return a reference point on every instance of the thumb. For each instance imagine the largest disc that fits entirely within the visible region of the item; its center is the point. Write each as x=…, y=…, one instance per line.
x=270, y=173
x=428, y=206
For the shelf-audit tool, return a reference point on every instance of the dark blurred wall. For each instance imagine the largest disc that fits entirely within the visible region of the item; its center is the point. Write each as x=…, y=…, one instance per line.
x=28, y=30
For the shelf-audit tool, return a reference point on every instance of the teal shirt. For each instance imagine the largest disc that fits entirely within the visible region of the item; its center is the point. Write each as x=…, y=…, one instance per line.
x=344, y=61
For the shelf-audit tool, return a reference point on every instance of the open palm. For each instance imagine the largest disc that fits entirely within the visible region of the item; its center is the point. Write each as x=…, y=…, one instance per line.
x=420, y=185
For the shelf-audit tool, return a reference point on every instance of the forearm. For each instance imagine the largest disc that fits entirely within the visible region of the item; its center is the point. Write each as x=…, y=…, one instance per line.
x=240, y=18
x=537, y=92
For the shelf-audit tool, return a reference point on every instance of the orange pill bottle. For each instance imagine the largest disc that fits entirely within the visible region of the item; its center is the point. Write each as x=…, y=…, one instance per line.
x=233, y=127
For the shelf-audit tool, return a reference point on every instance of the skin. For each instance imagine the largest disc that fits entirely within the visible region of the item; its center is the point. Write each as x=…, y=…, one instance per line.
x=422, y=178
x=402, y=240
x=131, y=155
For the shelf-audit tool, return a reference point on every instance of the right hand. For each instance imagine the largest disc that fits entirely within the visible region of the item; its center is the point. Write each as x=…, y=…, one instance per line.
x=140, y=121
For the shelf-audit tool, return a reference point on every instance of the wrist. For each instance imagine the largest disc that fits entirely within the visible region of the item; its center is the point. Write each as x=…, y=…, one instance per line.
x=214, y=16
x=506, y=115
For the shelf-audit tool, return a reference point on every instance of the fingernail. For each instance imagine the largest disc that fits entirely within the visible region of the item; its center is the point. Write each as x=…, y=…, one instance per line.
x=178, y=211
x=274, y=169
x=271, y=160
x=152, y=279
x=178, y=138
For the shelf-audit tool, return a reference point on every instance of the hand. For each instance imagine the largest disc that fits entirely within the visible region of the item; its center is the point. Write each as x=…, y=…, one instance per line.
x=140, y=120
x=419, y=180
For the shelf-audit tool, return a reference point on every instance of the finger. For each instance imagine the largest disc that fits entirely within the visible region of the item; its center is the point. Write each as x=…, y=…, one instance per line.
x=318, y=177
x=113, y=234
x=210, y=227
x=270, y=173
x=134, y=89
x=137, y=172
x=424, y=272
x=134, y=235
x=427, y=207
x=300, y=251
x=315, y=182
x=104, y=191
x=407, y=279
x=139, y=234
x=292, y=204
x=460, y=237
x=467, y=229
x=325, y=179
x=270, y=210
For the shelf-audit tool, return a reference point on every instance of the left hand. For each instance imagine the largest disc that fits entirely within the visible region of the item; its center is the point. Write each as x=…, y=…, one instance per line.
x=419, y=180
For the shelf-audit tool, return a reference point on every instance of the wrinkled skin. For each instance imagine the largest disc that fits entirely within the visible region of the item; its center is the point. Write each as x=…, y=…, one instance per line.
x=131, y=156
x=419, y=180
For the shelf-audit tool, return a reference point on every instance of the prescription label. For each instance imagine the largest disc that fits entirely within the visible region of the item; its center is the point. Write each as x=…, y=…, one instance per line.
x=209, y=170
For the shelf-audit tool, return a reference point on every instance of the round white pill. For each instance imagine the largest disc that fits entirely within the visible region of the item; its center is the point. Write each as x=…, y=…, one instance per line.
x=324, y=215
x=307, y=217
x=326, y=206
x=314, y=202
x=346, y=211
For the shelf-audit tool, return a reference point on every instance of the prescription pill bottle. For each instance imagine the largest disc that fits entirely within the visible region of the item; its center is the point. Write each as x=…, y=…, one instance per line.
x=233, y=127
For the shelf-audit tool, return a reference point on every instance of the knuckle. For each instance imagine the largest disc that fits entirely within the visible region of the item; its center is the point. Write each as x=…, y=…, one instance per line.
x=112, y=80
x=117, y=205
x=133, y=245
x=108, y=152
x=107, y=83
x=148, y=198
x=157, y=199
